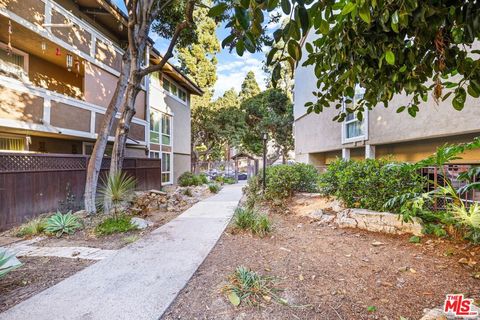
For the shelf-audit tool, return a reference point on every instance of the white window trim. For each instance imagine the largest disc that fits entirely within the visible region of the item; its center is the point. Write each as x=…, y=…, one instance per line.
x=169, y=133
x=156, y=152
x=179, y=88
x=170, y=172
x=346, y=122
x=19, y=52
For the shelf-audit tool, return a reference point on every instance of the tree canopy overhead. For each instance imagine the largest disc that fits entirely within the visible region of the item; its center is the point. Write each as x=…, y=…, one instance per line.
x=389, y=47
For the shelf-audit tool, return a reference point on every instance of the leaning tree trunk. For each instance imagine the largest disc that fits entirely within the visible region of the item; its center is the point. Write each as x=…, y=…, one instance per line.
x=95, y=163
x=123, y=129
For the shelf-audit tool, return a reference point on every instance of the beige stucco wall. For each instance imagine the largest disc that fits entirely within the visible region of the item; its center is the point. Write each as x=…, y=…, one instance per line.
x=100, y=86
x=181, y=164
x=181, y=126
x=47, y=75
x=20, y=106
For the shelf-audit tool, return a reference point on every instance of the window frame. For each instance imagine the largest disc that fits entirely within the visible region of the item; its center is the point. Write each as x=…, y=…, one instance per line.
x=25, y=55
x=170, y=165
x=178, y=89
x=346, y=122
x=166, y=134
x=159, y=132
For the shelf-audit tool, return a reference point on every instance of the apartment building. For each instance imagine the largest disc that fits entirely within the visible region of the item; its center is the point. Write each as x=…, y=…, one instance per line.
x=59, y=65
x=383, y=132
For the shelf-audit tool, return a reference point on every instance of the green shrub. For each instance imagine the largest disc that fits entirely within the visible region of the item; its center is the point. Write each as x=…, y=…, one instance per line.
x=229, y=180
x=188, y=179
x=32, y=228
x=59, y=224
x=370, y=183
x=213, y=187
x=252, y=192
x=203, y=178
x=115, y=225
x=4, y=258
x=248, y=219
x=284, y=180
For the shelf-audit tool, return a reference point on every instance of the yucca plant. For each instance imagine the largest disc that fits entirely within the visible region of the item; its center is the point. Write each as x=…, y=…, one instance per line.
x=116, y=189
x=59, y=224
x=4, y=259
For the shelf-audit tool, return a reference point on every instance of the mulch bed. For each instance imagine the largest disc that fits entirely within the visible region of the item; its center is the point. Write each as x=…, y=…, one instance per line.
x=36, y=275
x=331, y=273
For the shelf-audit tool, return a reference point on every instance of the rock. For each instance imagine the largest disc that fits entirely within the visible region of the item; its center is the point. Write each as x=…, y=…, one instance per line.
x=141, y=223
x=81, y=213
x=163, y=193
x=377, y=222
x=434, y=314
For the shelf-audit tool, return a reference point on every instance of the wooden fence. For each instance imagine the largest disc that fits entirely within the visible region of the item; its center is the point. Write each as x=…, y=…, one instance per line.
x=31, y=184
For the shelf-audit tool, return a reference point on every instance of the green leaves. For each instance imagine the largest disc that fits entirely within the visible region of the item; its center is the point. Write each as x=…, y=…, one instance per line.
x=364, y=14
x=294, y=50
x=390, y=57
x=474, y=88
x=217, y=10
x=349, y=7
x=458, y=101
x=286, y=6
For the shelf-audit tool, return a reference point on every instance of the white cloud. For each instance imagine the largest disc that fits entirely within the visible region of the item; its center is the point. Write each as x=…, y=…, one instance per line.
x=232, y=73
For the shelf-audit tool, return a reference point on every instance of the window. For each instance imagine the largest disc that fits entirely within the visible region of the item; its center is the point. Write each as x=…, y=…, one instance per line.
x=154, y=155
x=12, y=143
x=174, y=90
x=166, y=85
x=182, y=95
x=354, y=129
x=88, y=149
x=160, y=124
x=14, y=63
x=166, y=167
x=154, y=127
x=166, y=129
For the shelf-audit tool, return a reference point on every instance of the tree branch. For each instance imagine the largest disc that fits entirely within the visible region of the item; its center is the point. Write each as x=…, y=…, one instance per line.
x=178, y=30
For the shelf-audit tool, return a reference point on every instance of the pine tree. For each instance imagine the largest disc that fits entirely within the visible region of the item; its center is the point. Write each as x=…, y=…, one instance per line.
x=250, y=87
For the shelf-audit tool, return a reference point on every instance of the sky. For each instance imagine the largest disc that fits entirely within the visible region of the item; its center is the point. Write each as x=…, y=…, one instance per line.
x=231, y=68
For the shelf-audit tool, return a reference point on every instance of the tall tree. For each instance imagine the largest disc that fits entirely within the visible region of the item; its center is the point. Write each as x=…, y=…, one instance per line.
x=174, y=19
x=269, y=112
x=198, y=59
x=250, y=87
x=215, y=125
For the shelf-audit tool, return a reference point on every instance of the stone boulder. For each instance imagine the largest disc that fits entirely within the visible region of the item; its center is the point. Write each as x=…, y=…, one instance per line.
x=141, y=223
x=377, y=222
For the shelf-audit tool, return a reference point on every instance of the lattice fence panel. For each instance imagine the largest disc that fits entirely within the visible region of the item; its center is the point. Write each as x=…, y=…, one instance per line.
x=31, y=162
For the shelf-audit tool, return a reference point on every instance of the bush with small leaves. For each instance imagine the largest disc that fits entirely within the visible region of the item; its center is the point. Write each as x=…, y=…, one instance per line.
x=115, y=225
x=188, y=179
x=59, y=224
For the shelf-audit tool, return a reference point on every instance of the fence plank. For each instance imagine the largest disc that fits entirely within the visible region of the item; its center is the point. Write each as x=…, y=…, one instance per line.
x=32, y=184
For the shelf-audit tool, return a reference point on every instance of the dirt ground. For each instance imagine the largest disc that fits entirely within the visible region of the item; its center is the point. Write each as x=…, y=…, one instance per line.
x=36, y=275
x=88, y=238
x=331, y=273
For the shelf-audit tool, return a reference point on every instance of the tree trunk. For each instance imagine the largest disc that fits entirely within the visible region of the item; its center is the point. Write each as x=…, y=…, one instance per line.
x=123, y=129
x=95, y=163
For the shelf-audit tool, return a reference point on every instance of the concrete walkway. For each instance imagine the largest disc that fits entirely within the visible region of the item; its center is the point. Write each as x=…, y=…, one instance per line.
x=141, y=280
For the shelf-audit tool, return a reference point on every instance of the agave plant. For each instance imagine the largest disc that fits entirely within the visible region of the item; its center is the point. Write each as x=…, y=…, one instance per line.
x=4, y=259
x=59, y=223
x=116, y=189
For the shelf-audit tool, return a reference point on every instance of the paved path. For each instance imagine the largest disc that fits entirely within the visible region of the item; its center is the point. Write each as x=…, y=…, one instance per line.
x=141, y=280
